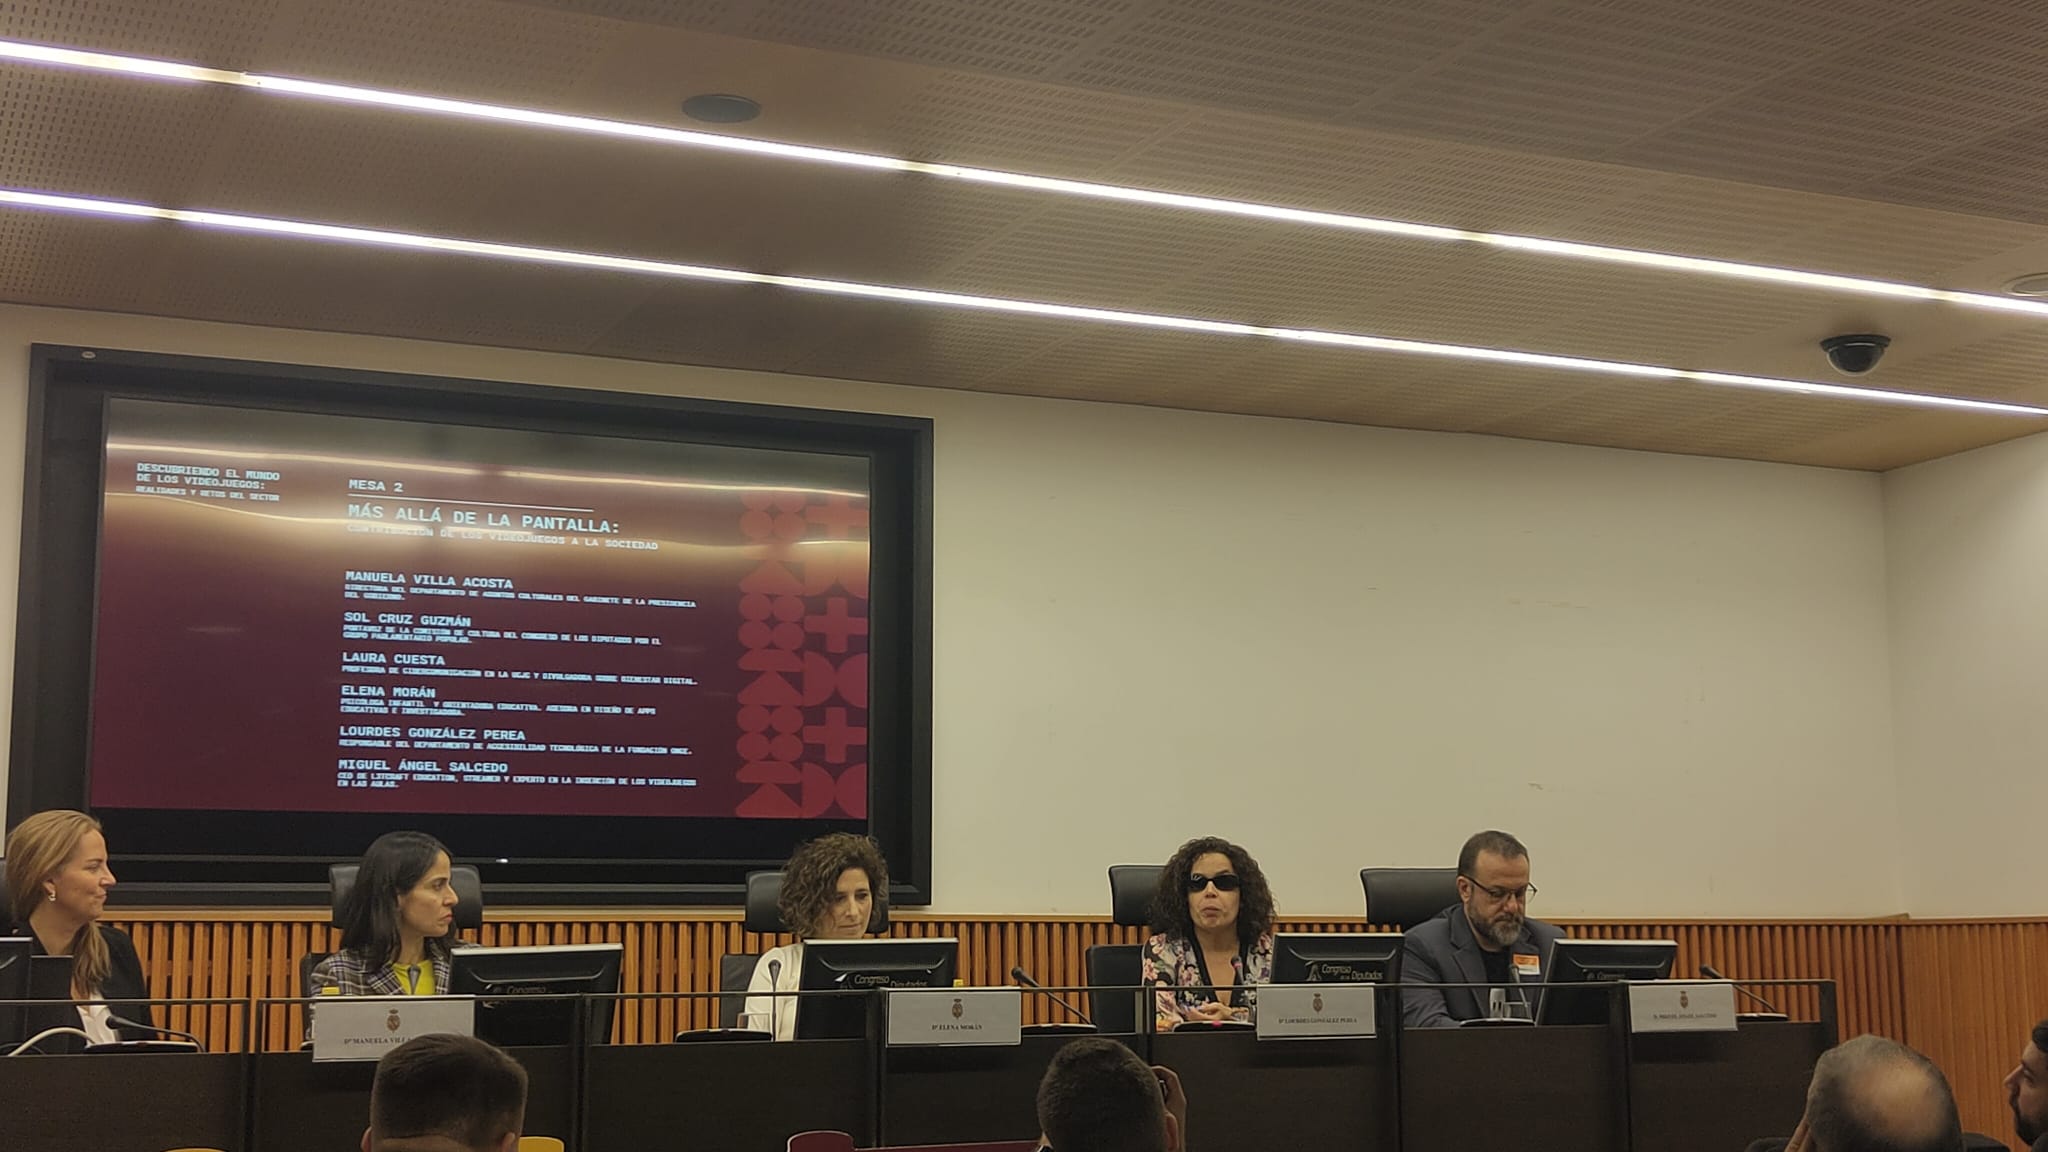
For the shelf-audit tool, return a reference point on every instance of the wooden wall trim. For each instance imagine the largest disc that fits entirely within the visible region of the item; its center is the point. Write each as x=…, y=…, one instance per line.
x=1963, y=991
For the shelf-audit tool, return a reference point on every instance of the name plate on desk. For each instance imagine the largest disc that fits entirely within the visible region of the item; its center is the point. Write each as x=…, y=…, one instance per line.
x=1681, y=1006
x=1312, y=1011
x=365, y=1027
x=981, y=1016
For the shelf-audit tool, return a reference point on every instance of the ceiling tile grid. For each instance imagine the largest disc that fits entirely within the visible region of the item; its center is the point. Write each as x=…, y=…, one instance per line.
x=215, y=33
x=472, y=49
x=1020, y=37
x=147, y=140
x=1584, y=78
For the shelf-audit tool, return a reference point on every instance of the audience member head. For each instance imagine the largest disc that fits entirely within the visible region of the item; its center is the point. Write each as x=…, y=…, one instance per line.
x=2026, y=1088
x=1097, y=1096
x=404, y=893
x=1871, y=1094
x=830, y=885
x=1493, y=885
x=446, y=1094
x=1213, y=885
x=57, y=881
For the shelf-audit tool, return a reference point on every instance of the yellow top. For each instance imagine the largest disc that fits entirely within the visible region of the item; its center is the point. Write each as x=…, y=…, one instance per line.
x=416, y=979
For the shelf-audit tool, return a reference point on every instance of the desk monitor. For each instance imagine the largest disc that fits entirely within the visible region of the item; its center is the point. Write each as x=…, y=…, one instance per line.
x=865, y=965
x=559, y=971
x=1337, y=957
x=1573, y=964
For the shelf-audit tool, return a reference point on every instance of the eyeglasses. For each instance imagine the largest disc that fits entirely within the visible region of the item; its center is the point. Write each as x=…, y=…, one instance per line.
x=1524, y=894
x=1224, y=882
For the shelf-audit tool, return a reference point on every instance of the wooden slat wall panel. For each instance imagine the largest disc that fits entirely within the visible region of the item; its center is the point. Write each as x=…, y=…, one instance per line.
x=1963, y=992
x=1973, y=992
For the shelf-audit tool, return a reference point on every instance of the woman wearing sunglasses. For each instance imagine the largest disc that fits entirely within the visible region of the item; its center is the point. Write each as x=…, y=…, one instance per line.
x=1215, y=913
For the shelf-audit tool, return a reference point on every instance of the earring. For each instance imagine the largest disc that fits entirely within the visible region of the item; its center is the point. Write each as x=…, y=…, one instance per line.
x=53, y=896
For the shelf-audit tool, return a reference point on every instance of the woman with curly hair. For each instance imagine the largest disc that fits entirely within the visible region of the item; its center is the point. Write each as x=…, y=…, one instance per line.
x=1215, y=915
x=829, y=890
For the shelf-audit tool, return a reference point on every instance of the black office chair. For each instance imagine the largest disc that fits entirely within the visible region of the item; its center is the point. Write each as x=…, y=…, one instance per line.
x=1121, y=966
x=764, y=916
x=1405, y=897
x=341, y=879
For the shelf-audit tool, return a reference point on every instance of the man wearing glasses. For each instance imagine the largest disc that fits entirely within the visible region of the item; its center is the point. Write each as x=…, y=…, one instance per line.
x=1485, y=938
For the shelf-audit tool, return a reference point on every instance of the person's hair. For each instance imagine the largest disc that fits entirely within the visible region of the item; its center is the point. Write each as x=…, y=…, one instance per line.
x=1501, y=844
x=1097, y=1096
x=455, y=1087
x=1170, y=902
x=1859, y=1103
x=2040, y=1036
x=395, y=864
x=810, y=881
x=36, y=851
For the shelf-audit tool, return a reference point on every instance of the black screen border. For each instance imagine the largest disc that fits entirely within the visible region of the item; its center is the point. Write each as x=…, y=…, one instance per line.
x=68, y=390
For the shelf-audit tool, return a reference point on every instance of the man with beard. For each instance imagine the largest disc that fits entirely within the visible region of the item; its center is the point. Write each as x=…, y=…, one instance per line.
x=2026, y=1089
x=1485, y=938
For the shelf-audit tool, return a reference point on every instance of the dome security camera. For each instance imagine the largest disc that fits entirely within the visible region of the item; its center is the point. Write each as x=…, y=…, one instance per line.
x=1855, y=354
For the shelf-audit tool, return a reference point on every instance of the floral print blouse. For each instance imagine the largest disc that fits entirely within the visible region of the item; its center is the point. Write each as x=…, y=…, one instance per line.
x=1175, y=966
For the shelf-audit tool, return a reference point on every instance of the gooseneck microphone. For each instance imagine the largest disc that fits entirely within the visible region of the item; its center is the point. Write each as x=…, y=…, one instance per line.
x=1712, y=973
x=1022, y=977
x=774, y=997
x=139, y=1026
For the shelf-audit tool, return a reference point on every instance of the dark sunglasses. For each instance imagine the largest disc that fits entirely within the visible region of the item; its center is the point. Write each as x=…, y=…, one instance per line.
x=1224, y=882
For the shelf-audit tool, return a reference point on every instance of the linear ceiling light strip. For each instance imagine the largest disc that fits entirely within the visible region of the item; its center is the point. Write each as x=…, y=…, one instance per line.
x=164, y=69
x=528, y=254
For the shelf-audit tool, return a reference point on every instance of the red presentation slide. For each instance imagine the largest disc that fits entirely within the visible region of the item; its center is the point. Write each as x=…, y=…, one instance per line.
x=316, y=613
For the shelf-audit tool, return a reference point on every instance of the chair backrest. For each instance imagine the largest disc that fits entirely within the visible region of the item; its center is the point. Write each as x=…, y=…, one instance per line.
x=307, y=963
x=1114, y=966
x=469, y=893
x=820, y=1142
x=541, y=1144
x=1131, y=887
x=1405, y=897
x=735, y=972
x=764, y=910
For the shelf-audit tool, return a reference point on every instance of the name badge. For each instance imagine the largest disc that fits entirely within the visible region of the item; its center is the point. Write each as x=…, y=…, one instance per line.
x=1681, y=1006
x=955, y=1016
x=1528, y=966
x=365, y=1027
x=1317, y=1011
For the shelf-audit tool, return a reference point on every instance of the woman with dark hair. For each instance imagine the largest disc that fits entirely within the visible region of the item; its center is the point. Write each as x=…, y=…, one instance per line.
x=1215, y=915
x=829, y=890
x=394, y=922
x=57, y=882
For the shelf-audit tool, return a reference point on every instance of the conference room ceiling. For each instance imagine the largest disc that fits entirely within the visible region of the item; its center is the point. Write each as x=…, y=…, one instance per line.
x=1902, y=140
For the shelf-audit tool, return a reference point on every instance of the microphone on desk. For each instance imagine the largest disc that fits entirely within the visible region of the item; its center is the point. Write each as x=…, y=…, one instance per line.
x=1712, y=973
x=1022, y=977
x=774, y=995
x=139, y=1026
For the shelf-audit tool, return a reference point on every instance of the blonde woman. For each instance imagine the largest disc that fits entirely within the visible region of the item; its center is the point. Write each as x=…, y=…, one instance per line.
x=57, y=882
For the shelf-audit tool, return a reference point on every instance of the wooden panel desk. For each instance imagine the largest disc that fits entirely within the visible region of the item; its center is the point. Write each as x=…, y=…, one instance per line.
x=122, y=1103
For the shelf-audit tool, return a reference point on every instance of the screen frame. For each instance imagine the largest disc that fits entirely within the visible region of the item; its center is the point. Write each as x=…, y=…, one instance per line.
x=49, y=741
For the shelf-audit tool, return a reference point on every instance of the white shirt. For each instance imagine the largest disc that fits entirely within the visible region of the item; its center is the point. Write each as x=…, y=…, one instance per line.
x=93, y=1019
x=777, y=1014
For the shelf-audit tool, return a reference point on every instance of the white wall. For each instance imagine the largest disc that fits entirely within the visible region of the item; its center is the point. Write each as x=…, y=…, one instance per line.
x=1342, y=646
x=1968, y=559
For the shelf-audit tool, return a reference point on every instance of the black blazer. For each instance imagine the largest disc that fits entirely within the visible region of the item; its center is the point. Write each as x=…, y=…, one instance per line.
x=125, y=990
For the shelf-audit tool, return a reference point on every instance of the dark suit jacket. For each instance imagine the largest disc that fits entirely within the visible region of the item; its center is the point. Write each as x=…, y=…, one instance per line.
x=125, y=990
x=1444, y=951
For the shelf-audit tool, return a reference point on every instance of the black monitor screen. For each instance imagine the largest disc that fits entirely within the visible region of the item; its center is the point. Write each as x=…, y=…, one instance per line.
x=527, y=996
x=14, y=985
x=1337, y=958
x=1576, y=964
x=865, y=966
x=618, y=649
